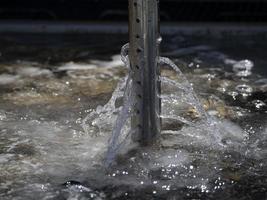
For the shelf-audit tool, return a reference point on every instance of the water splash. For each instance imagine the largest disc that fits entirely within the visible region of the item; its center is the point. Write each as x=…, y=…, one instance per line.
x=102, y=120
x=115, y=115
x=185, y=85
x=43, y=148
x=207, y=125
x=122, y=129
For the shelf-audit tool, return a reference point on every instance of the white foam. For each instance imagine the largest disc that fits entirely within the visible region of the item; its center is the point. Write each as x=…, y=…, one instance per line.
x=5, y=158
x=243, y=68
x=171, y=158
x=244, y=89
x=76, y=66
x=72, y=66
x=33, y=71
x=115, y=62
x=243, y=65
x=258, y=104
x=6, y=79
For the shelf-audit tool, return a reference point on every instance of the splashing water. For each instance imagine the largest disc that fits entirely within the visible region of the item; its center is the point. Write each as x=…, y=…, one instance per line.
x=44, y=153
x=102, y=119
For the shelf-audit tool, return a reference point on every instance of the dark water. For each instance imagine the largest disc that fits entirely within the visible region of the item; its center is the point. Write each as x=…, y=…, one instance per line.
x=49, y=84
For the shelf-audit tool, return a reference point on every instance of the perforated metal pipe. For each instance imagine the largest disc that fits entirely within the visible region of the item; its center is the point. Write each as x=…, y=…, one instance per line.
x=143, y=54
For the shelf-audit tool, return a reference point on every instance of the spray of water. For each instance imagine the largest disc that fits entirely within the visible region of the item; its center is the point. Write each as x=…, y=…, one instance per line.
x=189, y=96
x=102, y=119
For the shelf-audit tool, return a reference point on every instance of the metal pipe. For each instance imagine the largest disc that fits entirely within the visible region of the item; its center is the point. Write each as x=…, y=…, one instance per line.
x=143, y=55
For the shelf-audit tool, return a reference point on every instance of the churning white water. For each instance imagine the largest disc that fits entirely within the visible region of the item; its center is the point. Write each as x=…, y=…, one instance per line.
x=60, y=125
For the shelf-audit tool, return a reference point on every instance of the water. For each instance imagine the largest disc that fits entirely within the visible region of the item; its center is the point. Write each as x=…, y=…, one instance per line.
x=57, y=117
x=122, y=128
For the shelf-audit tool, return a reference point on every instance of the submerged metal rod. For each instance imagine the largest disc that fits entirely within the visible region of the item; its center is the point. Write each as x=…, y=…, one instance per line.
x=143, y=54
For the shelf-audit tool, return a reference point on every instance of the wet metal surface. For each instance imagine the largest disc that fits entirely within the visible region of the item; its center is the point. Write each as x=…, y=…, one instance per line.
x=143, y=55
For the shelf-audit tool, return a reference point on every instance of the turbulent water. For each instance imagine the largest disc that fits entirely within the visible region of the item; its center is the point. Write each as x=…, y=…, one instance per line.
x=122, y=129
x=58, y=119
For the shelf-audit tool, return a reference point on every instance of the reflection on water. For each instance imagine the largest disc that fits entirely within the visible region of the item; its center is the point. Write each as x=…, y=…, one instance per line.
x=54, y=133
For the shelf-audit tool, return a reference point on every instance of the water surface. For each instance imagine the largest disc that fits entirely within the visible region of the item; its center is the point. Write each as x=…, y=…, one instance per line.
x=51, y=149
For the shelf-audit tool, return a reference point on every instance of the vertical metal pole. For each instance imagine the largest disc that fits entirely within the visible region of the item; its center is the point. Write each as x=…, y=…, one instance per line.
x=143, y=54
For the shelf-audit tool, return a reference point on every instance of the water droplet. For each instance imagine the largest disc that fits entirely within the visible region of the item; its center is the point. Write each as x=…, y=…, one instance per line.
x=258, y=104
x=159, y=39
x=244, y=90
x=203, y=188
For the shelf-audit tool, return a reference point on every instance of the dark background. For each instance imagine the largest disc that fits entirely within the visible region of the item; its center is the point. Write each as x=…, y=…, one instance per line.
x=116, y=10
